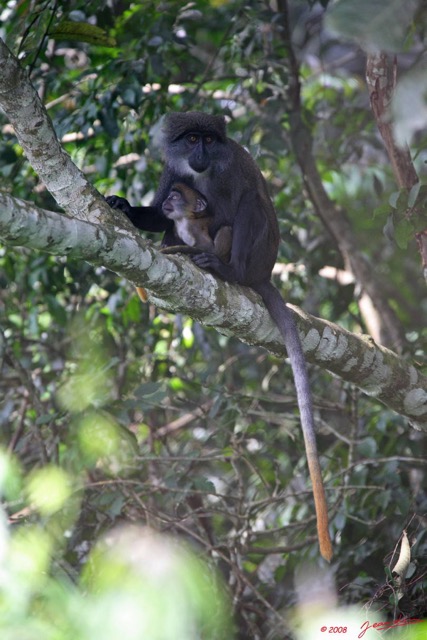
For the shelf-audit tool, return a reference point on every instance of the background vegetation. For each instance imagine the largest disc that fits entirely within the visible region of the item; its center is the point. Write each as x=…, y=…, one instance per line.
x=112, y=412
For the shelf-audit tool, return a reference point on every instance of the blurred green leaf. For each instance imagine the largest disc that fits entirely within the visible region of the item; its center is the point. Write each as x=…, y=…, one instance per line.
x=403, y=233
x=377, y=25
x=81, y=32
x=182, y=598
x=128, y=377
x=409, y=106
x=49, y=489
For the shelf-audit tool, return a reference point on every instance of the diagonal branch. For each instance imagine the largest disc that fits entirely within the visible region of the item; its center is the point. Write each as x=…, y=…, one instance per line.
x=36, y=135
x=177, y=285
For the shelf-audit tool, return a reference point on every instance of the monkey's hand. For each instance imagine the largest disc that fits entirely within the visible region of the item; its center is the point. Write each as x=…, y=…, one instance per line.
x=211, y=262
x=121, y=204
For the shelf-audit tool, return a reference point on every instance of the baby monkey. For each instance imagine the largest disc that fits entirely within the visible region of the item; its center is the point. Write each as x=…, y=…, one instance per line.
x=188, y=209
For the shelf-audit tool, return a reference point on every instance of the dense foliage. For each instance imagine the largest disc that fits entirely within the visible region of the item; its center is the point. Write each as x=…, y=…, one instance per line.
x=112, y=412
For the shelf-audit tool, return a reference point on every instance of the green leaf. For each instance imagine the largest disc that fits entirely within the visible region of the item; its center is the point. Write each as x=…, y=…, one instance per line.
x=413, y=194
x=393, y=199
x=153, y=390
x=403, y=233
x=82, y=32
x=382, y=211
x=378, y=186
x=388, y=229
x=48, y=489
x=367, y=447
x=377, y=25
x=203, y=484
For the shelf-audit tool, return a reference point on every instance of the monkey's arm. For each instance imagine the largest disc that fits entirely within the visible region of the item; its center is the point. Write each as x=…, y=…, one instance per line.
x=145, y=218
x=150, y=218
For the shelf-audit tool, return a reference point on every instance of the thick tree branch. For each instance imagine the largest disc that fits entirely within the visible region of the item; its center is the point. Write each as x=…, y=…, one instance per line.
x=181, y=287
x=175, y=283
x=36, y=135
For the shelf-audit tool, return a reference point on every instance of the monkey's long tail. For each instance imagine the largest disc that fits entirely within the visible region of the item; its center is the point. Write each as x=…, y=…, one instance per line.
x=285, y=322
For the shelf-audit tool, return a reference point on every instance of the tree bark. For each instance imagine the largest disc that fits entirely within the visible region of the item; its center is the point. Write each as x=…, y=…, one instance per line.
x=174, y=283
x=36, y=135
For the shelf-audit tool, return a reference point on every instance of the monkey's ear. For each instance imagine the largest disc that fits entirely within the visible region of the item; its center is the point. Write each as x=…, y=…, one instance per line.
x=200, y=204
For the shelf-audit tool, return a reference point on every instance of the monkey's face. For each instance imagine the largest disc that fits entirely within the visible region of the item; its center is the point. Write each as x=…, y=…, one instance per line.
x=200, y=148
x=174, y=205
x=194, y=152
x=194, y=142
x=184, y=202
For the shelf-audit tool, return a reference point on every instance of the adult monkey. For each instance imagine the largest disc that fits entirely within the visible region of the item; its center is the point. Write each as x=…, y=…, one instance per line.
x=197, y=151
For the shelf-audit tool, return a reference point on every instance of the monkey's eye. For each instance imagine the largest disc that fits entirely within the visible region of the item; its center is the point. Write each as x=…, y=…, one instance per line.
x=192, y=138
x=209, y=139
